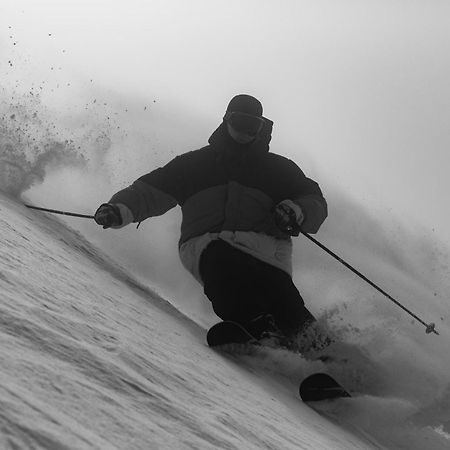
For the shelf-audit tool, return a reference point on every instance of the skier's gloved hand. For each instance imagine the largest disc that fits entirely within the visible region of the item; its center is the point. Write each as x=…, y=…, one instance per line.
x=108, y=215
x=288, y=217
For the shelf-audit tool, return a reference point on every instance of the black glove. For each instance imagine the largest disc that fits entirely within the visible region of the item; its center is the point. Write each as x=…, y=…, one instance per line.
x=108, y=215
x=288, y=217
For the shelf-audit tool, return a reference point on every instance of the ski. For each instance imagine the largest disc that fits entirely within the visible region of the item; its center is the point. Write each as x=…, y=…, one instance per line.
x=229, y=332
x=315, y=387
x=321, y=386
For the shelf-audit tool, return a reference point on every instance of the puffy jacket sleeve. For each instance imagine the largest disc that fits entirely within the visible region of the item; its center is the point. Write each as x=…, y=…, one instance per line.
x=314, y=207
x=153, y=194
x=308, y=195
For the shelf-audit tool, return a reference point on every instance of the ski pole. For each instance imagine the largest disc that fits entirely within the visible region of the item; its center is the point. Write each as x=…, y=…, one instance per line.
x=54, y=211
x=430, y=327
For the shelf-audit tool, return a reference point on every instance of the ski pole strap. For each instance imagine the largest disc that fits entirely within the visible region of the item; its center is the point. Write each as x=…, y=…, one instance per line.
x=65, y=213
x=430, y=328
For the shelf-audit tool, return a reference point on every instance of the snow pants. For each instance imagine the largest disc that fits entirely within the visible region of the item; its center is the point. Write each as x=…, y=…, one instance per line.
x=241, y=288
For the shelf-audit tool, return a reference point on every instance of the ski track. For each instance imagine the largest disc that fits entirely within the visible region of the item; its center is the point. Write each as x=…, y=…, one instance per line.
x=91, y=359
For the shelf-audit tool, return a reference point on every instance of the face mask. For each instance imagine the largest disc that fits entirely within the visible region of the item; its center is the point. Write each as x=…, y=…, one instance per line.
x=239, y=136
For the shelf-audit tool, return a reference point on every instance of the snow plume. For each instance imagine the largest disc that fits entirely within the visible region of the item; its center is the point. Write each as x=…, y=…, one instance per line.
x=379, y=349
x=30, y=145
x=107, y=141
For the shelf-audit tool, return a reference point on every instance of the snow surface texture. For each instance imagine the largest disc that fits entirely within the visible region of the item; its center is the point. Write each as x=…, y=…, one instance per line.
x=92, y=358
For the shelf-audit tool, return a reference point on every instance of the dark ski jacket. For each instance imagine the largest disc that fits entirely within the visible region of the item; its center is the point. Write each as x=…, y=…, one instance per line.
x=226, y=186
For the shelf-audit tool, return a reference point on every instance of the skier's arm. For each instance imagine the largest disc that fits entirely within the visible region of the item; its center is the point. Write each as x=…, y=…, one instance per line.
x=141, y=201
x=151, y=195
x=313, y=205
x=307, y=196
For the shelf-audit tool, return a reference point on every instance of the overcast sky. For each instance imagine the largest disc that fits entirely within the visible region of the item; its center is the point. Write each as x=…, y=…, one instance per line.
x=358, y=89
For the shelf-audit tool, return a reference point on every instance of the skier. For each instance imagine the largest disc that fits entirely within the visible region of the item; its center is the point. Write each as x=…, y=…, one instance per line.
x=241, y=205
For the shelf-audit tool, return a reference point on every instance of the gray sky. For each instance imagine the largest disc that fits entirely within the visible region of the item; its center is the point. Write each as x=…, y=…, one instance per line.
x=359, y=90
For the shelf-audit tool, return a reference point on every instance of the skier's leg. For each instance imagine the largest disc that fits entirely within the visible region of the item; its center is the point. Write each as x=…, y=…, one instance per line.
x=246, y=290
x=229, y=282
x=290, y=314
x=284, y=302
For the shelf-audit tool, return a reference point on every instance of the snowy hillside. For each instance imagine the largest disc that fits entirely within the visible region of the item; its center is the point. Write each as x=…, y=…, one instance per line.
x=94, y=96
x=92, y=360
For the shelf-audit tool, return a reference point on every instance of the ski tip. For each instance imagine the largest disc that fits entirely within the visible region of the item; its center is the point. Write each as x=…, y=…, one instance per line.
x=226, y=333
x=321, y=386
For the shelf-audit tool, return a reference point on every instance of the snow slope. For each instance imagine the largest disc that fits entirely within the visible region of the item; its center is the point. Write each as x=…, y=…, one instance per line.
x=90, y=359
x=73, y=323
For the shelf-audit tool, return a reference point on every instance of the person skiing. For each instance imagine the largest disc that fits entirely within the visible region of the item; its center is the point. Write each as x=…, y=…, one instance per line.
x=241, y=205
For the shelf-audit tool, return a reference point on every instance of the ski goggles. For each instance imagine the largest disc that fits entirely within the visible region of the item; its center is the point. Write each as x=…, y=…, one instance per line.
x=244, y=123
